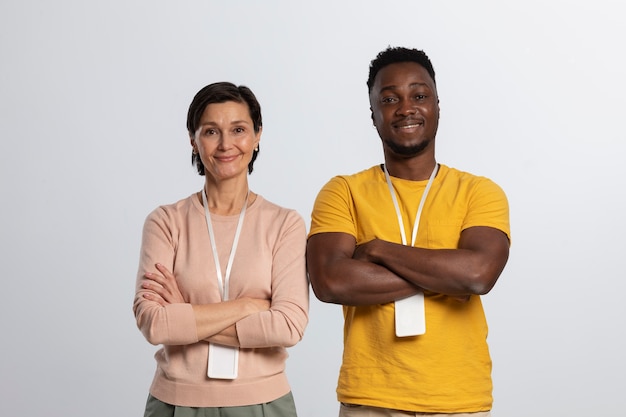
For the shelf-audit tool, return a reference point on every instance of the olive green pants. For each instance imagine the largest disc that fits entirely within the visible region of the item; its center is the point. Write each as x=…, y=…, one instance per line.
x=281, y=407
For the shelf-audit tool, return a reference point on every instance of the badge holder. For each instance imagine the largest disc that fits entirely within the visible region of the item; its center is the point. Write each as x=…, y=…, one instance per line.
x=223, y=362
x=410, y=316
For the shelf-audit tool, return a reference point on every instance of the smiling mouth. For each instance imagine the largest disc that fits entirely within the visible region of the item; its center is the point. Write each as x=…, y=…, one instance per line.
x=410, y=125
x=226, y=158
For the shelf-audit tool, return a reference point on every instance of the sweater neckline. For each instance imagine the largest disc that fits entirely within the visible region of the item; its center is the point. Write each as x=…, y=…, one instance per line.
x=198, y=205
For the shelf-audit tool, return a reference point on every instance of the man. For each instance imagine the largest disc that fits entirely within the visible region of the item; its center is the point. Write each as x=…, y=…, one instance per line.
x=407, y=248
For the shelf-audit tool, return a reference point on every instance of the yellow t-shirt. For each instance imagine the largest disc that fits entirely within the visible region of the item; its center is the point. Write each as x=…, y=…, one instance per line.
x=447, y=369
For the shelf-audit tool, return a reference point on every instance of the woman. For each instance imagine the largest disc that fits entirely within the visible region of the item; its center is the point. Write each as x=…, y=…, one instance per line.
x=222, y=281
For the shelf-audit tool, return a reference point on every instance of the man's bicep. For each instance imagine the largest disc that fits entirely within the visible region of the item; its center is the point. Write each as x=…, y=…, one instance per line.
x=325, y=253
x=325, y=248
x=483, y=238
x=490, y=247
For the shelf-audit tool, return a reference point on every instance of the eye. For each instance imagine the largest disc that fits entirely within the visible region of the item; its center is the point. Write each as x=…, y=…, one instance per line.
x=387, y=100
x=209, y=132
x=421, y=97
x=239, y=129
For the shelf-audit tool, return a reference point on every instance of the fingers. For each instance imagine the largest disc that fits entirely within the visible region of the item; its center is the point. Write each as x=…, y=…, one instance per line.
x=162, y=280
x=153, y=286
x=164, y=284
x=156, y=292
x=157, y=285
x=166, y=281
x=154, y=297
x=166, y=273
x=156, y=279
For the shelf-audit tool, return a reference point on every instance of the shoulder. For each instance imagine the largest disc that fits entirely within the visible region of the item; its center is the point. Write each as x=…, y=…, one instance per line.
x=483, y=200
x=352, y=181
x=178, y=210
x=368, y=174
x=272, y=212
x=469, y=181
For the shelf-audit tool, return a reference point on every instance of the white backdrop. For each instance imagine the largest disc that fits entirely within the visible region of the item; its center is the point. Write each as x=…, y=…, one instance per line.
x=93, y=101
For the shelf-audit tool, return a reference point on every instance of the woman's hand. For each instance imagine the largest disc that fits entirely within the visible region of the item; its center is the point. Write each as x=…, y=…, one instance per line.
x=162, y=288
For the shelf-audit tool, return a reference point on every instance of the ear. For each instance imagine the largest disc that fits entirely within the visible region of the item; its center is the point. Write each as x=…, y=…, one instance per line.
x=192, y=141
x=258, y=136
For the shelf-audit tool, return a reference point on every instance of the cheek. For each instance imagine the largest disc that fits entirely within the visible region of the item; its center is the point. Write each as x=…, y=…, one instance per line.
x=378, y=117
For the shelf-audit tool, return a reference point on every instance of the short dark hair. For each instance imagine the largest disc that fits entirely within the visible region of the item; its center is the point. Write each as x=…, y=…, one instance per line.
x=393, y=55
x=222, y=92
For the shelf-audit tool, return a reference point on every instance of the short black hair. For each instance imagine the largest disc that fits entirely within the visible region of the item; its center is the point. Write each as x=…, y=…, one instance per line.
x=222, y=92
x=393, y=55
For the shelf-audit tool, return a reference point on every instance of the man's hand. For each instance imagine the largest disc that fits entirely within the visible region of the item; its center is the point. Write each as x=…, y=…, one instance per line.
x=365, y=251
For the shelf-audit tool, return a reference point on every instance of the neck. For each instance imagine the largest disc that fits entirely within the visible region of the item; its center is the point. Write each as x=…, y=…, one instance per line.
x=414, y=169
x=226, y=198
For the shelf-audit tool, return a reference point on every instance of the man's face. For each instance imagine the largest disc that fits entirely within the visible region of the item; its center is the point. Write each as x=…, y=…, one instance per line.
x=405, y=108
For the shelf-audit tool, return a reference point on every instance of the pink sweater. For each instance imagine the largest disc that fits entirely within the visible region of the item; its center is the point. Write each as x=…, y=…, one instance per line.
x=269, y=263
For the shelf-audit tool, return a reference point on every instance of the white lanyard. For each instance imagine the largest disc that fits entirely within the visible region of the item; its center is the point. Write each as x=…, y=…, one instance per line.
x=419, y=209
x=223, y=282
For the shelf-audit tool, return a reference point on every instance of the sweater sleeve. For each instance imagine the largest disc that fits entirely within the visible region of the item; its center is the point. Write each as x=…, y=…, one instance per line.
x=175, y=323
x=284, y=323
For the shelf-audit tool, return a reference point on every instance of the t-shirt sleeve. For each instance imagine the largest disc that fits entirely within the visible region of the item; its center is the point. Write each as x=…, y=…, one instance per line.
x=333, y=210
x=488, y=206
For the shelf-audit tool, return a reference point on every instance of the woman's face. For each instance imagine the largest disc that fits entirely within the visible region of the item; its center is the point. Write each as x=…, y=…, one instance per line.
x=225, y=140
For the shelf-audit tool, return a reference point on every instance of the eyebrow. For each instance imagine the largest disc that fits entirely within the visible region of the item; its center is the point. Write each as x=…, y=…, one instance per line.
x=234, y=122
x=395, y=87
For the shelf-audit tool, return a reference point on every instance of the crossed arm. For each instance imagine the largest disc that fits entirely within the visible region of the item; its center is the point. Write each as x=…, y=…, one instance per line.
x=214, y=322
x=379, y=272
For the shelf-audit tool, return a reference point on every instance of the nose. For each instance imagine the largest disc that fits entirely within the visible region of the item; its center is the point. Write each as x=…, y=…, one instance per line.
x=406, y=108
x=226, y=142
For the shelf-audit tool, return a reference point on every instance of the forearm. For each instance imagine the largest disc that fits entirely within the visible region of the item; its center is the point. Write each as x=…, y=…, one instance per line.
x=227, y=337
x=283, y=325
x=455, y=272
x=336, y=277
x=356, y=282
x=218, y=320
x=440, y=271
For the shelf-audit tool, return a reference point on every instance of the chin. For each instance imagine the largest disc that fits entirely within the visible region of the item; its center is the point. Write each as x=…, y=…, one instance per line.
x=407, y=150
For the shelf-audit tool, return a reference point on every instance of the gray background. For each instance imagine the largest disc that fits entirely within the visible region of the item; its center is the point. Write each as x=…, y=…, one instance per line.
x=93, y=100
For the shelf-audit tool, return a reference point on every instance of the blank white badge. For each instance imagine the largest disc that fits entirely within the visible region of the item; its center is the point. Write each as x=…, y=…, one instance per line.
x=410, y=316
x=223, y=362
